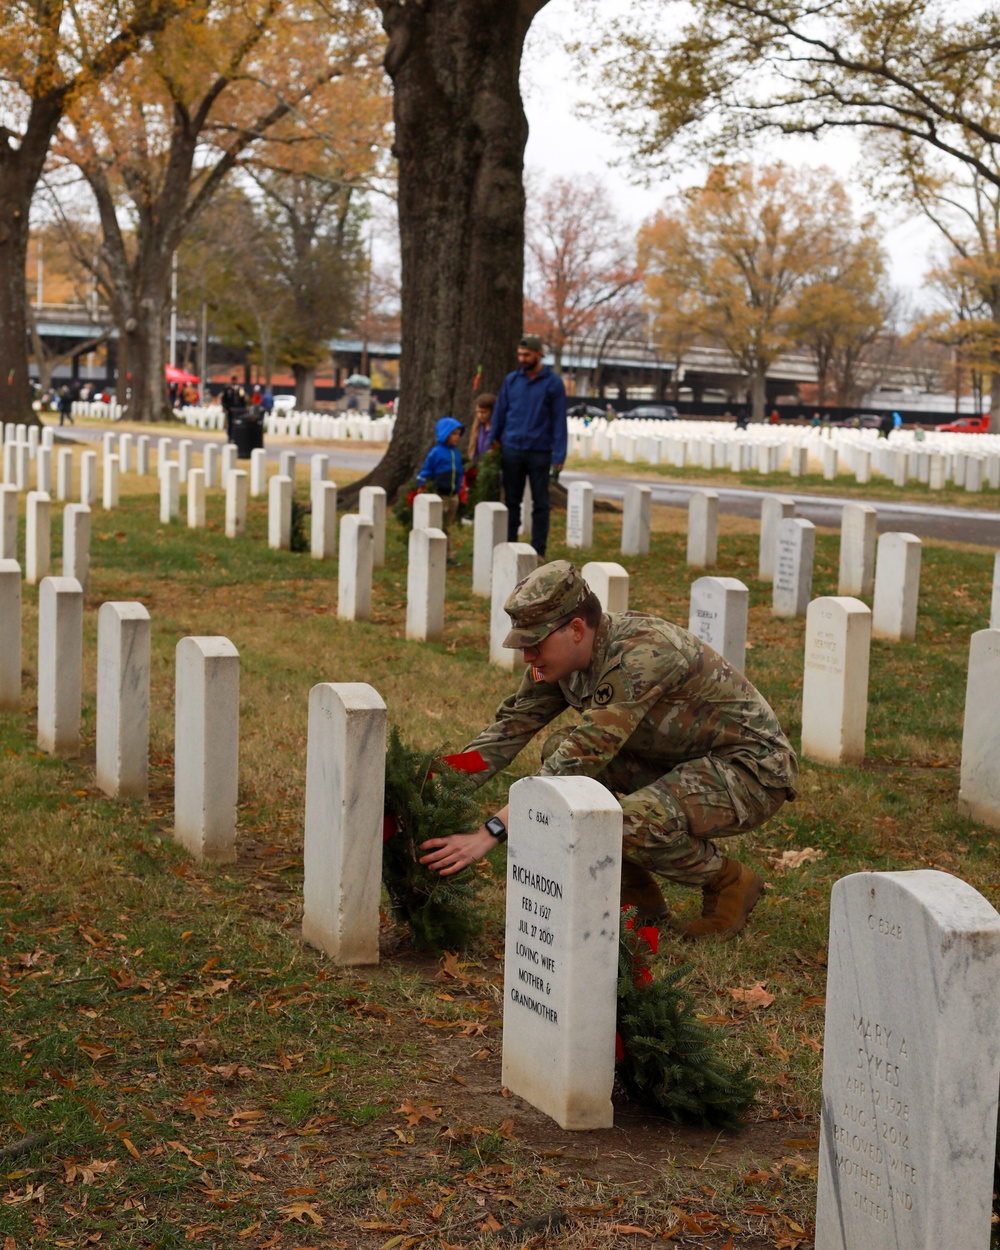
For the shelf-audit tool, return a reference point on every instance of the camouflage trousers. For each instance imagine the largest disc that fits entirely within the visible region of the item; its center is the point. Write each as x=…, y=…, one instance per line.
x=671, y=818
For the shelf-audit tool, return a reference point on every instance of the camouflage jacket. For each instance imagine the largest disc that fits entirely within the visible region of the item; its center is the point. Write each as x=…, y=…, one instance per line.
x=652, y=689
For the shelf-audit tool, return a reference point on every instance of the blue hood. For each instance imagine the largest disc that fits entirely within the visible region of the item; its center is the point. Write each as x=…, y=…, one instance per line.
x=446, y=426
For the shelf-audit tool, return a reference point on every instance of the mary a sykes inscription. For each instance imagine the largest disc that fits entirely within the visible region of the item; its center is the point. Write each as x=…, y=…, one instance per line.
x=911, y=1065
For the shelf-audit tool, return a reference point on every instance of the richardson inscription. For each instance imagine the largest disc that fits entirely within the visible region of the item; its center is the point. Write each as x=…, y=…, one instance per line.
x=872, y=1123
x=537, y=926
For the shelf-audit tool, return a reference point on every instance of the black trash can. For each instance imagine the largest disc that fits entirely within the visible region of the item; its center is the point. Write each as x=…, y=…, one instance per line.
x=246, y=430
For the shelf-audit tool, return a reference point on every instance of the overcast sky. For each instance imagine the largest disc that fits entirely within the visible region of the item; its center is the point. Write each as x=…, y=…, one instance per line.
x=560, y=143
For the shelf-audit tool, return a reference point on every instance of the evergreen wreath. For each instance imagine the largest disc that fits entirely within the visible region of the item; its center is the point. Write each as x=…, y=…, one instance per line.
x=485, y=486
x=298, y=539
x=424, y=798
x=666, y=1055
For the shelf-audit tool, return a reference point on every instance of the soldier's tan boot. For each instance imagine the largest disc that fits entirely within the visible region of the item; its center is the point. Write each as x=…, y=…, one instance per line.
x=726, y=901
x=641, y=891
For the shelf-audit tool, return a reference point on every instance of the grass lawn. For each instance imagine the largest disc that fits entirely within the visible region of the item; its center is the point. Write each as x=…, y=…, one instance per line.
x=179, y=1071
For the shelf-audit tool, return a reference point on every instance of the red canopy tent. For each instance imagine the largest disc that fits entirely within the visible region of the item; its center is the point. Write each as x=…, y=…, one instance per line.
x=179, y=375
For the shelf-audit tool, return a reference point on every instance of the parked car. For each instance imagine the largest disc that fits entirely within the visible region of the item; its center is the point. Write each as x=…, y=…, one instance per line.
x=585, y=410
x=284, y=403
x=966, y=425
x=654, y=412
x=864, y=421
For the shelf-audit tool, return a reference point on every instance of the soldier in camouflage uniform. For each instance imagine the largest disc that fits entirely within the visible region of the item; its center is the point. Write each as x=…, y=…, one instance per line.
x=691, y=748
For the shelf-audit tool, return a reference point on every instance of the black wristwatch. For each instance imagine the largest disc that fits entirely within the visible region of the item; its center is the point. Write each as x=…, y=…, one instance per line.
x=497, y=828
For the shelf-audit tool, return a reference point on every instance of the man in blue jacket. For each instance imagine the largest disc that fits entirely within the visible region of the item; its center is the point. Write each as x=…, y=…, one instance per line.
x=529, y=425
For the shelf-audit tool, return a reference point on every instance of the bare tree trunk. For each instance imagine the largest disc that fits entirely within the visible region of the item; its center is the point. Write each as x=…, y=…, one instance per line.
x=758, y=393
x=149, y=400
x=20, y=169
x=460, y=136
x=305, y=388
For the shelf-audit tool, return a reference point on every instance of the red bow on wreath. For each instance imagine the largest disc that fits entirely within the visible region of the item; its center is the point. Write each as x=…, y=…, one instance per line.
x=463, y=762
x=641, y=972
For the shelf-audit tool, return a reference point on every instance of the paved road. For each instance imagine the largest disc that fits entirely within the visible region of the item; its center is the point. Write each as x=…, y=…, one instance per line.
x=926, y=521
x=952, y=524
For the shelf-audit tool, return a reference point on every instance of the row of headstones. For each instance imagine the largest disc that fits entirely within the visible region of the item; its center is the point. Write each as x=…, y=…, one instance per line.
x=207, y=704
x=787, y=547
x=970, y=469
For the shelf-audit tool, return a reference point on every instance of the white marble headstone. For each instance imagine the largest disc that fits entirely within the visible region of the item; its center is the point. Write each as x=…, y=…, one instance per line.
x=718, y=616
x=490, y=529
x=37, y=537
x=511, y=562
x=371, y=505
x=857, y=549
x=123, y=639
x=60, y=665
x=428, y=512
x=354, y=569
x=897, y=587
x=345, y=783
x=703, y=529
x=236, y=502
x=580, y=515
x=76, y=543
x=10, y=634
x=773, y=510
x=609, y=582
x=207, y=747
x=323, y=522
x=425, y=584
x=911, y=1064
x=561, y=956
x=793, y=567
x=8, y=522
x=835, y=680
x=979, y=789
x=279, y=513
x=636, y=520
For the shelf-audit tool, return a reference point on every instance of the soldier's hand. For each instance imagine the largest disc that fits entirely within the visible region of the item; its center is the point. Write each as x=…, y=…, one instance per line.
x=457, y=851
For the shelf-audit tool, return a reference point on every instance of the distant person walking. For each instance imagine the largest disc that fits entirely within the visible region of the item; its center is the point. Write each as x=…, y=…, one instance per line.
x=66, y=405
x=529, y=426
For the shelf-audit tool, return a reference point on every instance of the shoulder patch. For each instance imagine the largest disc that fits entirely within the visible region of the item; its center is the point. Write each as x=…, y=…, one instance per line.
x=604, y=693
x=610, y=689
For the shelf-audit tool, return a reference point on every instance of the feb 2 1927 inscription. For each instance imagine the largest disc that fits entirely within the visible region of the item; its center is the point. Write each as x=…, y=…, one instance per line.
x=561, y=952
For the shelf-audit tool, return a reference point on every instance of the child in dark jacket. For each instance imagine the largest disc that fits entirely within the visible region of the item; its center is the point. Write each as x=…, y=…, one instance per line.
x=442, y=471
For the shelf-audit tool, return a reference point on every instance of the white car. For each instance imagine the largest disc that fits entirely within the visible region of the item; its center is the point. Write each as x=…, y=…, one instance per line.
x=284, y=403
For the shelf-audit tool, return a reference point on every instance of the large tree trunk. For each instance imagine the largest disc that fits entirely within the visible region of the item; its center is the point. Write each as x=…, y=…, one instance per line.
x=20, y=169
x=305, y=387
x=758, y=393
x=148, y=399
x=460, y=136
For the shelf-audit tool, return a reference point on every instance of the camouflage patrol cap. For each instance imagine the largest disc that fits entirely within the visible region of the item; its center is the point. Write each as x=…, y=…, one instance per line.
x=543, y=601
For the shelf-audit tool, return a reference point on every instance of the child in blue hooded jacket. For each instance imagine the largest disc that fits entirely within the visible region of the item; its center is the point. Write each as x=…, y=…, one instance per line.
x=443, y=466
x=442, y=470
